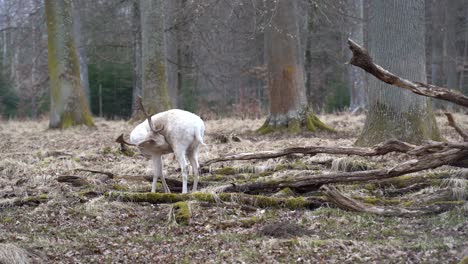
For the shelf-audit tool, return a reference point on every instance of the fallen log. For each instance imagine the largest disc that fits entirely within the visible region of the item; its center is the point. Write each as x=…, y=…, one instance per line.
x=347, y=203
x=244, y=199
x=303, y=182
x=362, y=59
x=379, y=149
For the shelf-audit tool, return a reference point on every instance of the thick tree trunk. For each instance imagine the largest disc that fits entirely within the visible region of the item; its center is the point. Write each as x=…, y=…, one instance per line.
x=356, y=77
x=397, y=42
x=288, y=101
x=154, y=81
x=68, y=101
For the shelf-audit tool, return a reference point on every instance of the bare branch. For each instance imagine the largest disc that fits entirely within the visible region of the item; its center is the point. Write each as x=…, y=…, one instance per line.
x=362, y=60
x=451, y=122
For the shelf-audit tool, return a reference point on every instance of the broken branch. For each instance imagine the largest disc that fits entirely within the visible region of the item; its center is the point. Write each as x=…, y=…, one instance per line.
x=362, y=59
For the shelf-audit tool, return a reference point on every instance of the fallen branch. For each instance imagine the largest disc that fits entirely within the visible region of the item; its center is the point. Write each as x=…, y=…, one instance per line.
x=305, y=182
x=244, y=199
x=380, y=149
x=73, y=180
x=31, y=200
x=350, y=204
x=452, y=123
x=362, y=60
x=108, y=174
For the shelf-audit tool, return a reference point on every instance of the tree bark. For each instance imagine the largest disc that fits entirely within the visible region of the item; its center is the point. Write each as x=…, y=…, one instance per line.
x=356, y=77
x=136, y=58
x=154, y=79
x=68, y=101
x=288, y=101
x=397, y=41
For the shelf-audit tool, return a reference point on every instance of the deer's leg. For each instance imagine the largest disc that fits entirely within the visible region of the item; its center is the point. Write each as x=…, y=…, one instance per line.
x=157, y=171
x=180, y=155
x=193, y=158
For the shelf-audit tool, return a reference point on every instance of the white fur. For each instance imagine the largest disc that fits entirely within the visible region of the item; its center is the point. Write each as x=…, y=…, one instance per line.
x=182, y=135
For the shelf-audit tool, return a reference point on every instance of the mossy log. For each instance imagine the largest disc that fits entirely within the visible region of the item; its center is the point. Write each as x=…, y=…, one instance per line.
x=409, y=183
x=20, y=201
x=244, y=199
x=350, y=204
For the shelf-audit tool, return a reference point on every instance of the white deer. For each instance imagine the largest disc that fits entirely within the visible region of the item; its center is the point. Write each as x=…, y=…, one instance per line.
x=179, y=132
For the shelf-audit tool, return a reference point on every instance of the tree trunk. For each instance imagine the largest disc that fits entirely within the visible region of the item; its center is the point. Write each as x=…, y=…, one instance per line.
x=154, y=82
x=171, y=7
x=68, y=102
x=186, y=75
x=450, y=48
x=437, y=17
x=356, y=77
x=81, y=48
x=397, y=43
x=136, y=60
x=288, y=101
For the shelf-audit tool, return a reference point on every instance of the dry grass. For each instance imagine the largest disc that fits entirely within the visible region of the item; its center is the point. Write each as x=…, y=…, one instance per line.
x=77, y=225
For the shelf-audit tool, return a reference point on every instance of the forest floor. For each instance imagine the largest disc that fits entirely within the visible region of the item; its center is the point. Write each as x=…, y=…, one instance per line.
x=76, y=223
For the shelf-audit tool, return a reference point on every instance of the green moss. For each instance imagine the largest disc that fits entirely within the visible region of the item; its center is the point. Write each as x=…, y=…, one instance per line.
x=266, y=129
x=377, y=201
x=226, y=171
x=408, y=203
x=383, y=123
x=182, y=213
x=313, y=123
x=370, y=187
x=7, y=219
x=248, y=222
x=308, y=122
x=294, y=126
x=253, y=200
x=119, y=187
x=106, y=150
x=287, y=191
x=464, y=260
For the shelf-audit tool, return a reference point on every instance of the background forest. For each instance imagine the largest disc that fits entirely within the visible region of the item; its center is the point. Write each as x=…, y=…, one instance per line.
x=213, y=52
